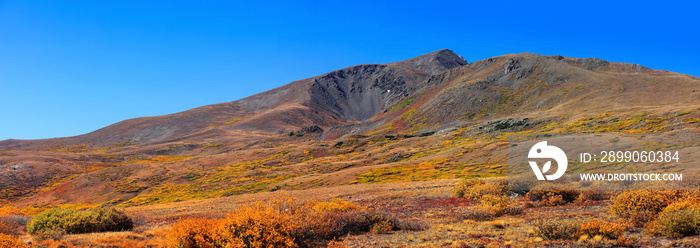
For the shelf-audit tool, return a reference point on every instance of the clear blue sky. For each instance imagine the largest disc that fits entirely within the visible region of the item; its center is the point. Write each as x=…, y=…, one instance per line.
x=71, y=67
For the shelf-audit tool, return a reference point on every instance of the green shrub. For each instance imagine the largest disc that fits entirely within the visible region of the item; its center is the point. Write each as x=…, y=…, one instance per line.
x=71, y=220
x=678, y=223
x=551, y=229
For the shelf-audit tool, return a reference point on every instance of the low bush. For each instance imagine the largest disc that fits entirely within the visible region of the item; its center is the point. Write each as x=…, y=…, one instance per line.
x=262, y=229
x=281, y=223
x=594, y=195
x=335, y=244
x=477, y=214
x=475, y=188
x=608, y=230
x=552, y=199
x=678, y=220
x=335, y=205
x=100, y=219
x=497, y=204
x=521, y=184
x=8, y=210
x=513, y=209
x=490, y=205
x=642, y=206
x=196, y=232
x=382, y=227
x=333, y=225
x=53, y=233
x=10, y=226
x=253, y=225
x=7, y=241
x=553, y=196
x=412, y=225
x=552, y=229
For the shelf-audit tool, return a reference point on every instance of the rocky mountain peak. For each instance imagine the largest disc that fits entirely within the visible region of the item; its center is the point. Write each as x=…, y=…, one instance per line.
x=435, y=62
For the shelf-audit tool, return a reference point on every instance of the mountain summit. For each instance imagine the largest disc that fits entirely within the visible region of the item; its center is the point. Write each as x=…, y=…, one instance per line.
x=435, y=62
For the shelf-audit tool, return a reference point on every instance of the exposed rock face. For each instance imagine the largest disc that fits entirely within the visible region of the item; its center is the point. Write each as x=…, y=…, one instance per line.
x=311, y=129
x=359, y=92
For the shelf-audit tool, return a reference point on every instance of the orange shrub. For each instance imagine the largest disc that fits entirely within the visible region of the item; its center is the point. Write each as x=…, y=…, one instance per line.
x=475, y=188
x=260, y=225
x=553, y=200
x=9, y=210
x=642, y=206
x=496, y=204
x=685, y=203
x=282, y=223
x=335, y=244
x=255, y=225
x=382, y=227
x=7, y=241
x=609, y=230
x=198, y=232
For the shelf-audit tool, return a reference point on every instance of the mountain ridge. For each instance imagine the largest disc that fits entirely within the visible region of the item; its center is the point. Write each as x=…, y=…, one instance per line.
x=157, y=128
x=321, y=111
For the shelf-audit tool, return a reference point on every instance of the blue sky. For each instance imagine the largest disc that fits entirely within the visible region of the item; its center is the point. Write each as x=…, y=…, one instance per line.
x=71, y=67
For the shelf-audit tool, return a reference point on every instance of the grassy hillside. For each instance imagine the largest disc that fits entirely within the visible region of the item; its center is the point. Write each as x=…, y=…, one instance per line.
x=397, y=148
